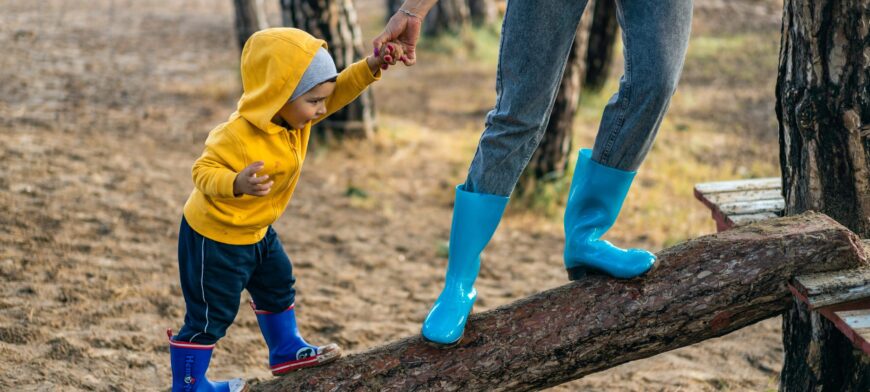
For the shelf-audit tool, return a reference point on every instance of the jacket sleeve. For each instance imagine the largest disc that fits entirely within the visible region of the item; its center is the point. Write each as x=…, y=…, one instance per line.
x=350, y=84
x=212, y=173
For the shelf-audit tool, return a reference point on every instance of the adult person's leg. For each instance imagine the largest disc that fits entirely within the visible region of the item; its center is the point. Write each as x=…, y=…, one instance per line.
x=535, y=42
x=655, y=37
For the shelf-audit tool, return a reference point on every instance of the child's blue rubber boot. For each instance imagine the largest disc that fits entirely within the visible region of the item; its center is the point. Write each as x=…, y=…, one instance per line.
x=475, y=218
x=287, y=350
x=189, y=364
x=596, y=196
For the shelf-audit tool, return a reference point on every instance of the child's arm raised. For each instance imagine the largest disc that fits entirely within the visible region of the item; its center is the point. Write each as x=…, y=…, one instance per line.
x=357, y=77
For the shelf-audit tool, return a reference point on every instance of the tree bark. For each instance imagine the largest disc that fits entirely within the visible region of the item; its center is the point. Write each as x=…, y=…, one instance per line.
x=482, y=12
x=602, y=40
x=550, y=160
x=822, y=101
x=447, y=17
x=250, y=18
x=335, y=21
x=704, y=288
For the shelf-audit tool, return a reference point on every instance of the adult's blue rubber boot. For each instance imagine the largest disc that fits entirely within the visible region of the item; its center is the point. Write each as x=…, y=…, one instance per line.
x=288, y=352
x=596, y=197
x=189, y=364
x=475, y=218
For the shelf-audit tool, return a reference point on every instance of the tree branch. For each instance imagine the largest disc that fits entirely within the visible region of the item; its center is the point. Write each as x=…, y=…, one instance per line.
x=703, y=288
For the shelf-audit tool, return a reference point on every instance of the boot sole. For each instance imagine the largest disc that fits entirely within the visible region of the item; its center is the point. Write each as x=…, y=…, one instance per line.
x=580, y=272
x=442, y=346
x=322, y=359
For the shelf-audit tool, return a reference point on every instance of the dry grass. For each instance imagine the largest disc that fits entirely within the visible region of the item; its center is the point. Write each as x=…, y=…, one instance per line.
x=103, y=108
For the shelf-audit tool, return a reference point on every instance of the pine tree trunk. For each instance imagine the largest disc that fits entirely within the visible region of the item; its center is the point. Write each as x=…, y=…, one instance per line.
x=602, y=39
x=447, y=16
x=482, y=12
x=335, y=21
x=703, y=288
x=822, y=101
x=250, y=18
x=552, y=156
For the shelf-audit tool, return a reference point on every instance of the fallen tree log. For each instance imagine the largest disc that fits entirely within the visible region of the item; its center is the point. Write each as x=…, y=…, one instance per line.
x=703, y=288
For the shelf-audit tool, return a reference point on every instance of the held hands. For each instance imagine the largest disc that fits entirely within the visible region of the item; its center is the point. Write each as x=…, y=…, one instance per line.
x=248, y=183
x=390, y=54
x=404, y=30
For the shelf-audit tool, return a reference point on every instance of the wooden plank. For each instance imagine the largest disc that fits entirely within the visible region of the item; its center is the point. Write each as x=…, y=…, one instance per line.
x=728, y=197
x=752, y=207
x=740, y=220
x=740, y=202
x=831, y=288
x=739, y=185
x=854, y=324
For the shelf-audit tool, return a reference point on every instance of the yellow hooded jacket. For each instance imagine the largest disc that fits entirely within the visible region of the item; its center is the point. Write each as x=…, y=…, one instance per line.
x=273, y=62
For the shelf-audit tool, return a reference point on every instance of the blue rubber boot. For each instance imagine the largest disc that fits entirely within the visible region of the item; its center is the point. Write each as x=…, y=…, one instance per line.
x=596, y=196
x=189, y=364
x=287, y=350
x=475, y=218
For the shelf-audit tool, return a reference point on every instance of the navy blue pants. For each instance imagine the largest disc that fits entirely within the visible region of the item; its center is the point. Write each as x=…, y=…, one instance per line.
x=213, y=275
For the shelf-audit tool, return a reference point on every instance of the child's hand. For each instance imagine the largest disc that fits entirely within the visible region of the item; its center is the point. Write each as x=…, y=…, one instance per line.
x=389, y=55
x=247, y=181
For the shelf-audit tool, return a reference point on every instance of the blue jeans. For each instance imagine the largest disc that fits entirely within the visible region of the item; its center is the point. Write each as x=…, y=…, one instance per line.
x=535, y=41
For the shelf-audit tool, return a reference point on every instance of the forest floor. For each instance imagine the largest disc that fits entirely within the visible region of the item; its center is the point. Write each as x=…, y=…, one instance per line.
x=104, y=108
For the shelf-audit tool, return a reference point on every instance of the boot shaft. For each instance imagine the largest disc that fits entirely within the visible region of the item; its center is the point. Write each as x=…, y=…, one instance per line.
x=282, y=336
x=596, y=196
x=475, y=219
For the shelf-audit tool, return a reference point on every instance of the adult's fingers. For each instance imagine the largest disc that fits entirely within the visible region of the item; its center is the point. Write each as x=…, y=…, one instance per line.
x=394, y=28
x=409, y=58
x=379, y=41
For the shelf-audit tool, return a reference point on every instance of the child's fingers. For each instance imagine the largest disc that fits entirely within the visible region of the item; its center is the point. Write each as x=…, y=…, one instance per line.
x=395, y=50
x=261, y=189
x=253, y=168
x=255, y=179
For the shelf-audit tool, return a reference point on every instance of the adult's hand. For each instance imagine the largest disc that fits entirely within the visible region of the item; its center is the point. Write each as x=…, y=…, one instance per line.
x=403, y=29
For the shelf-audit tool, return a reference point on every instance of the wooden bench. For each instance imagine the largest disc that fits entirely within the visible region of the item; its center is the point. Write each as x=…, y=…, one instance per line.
x=735, y=203
x=841, y=296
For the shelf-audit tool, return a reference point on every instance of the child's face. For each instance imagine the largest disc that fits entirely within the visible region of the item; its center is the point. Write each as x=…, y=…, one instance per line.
x=307, y=107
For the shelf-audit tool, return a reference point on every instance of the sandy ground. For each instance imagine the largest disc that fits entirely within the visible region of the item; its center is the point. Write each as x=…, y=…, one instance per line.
x=104, y=107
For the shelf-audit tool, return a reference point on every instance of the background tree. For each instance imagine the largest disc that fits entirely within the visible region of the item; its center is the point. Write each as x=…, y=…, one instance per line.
x=250, y=18
x=602, y=42
x=822, y=103
x=550, y=160
x=447, y=16
x=336, y=22
x=482, y=12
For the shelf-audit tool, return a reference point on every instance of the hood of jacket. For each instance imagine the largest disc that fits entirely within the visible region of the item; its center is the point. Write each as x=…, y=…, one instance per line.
x=273, y=61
